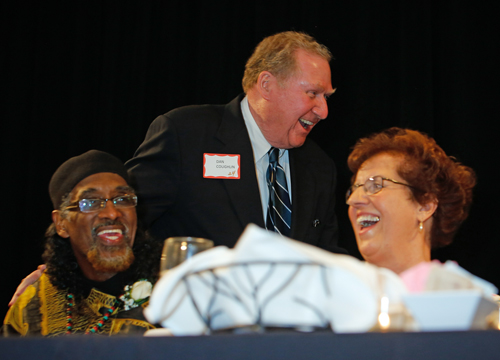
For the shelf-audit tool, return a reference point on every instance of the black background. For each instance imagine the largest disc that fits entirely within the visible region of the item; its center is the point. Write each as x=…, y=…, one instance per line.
x=78, y=75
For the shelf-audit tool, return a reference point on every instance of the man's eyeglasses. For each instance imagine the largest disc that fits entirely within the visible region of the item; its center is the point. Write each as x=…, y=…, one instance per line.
x=372, y=186
x=90, y=205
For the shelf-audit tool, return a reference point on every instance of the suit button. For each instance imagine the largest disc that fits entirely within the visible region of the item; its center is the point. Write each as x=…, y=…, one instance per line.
x=316, y=223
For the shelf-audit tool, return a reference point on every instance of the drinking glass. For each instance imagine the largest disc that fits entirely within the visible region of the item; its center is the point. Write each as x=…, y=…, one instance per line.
x=177, y=249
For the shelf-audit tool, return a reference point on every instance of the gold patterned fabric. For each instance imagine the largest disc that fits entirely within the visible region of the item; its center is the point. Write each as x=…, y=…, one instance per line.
x=41, y=310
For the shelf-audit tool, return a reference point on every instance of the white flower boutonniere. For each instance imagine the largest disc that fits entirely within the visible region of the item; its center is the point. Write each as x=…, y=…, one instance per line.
x=136, y=294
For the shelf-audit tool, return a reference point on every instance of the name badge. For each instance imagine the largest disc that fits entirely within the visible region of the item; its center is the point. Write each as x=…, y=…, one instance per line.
x=221, y=166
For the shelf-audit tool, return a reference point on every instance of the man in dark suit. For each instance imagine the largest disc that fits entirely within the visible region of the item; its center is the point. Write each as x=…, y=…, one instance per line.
x=201, y=170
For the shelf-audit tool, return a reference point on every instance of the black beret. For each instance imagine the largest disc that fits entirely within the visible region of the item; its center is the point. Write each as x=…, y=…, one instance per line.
x=77, y=168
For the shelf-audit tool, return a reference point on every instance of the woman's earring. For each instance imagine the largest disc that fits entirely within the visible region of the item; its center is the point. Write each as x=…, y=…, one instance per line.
x=421, y=226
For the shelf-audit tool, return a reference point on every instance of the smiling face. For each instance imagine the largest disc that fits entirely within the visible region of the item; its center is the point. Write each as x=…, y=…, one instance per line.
x=386, y=224
x=296, y=106
x=101, y=240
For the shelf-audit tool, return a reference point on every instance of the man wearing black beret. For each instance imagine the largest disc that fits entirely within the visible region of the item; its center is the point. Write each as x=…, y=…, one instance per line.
x=100, y=267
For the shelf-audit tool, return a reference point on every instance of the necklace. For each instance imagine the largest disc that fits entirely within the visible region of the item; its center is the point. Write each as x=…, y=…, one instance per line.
x=69, y=316
x=134, y=295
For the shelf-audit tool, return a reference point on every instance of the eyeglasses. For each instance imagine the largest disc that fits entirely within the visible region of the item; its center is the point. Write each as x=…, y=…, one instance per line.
x=90, y=205
x=372, y=186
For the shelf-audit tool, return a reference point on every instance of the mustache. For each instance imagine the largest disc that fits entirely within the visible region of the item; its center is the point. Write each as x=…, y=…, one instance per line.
x=96, y=228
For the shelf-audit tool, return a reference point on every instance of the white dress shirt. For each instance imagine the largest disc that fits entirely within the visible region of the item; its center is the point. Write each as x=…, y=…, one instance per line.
x=261, y=147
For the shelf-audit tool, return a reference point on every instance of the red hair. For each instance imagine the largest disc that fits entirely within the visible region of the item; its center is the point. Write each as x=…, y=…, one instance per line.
x=432, y=174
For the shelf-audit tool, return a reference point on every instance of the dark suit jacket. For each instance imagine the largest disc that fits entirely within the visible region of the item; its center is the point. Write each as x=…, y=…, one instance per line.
x=175, y=199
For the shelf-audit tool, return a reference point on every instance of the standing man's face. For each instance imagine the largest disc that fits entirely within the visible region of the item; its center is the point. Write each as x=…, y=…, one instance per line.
x=298, y=104
x=102, y=240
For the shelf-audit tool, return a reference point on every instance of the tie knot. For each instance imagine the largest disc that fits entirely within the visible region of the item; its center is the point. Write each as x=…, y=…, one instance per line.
x=274, y=154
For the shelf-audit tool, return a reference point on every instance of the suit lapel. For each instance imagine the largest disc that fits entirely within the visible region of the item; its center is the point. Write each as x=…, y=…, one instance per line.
x=243, y=193
x=303, y=193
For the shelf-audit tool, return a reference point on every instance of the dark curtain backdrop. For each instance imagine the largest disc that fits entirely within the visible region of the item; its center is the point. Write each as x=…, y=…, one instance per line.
x=78, y=75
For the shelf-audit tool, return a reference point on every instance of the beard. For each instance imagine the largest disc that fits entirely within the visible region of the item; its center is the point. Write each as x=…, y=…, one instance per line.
x=111, y=259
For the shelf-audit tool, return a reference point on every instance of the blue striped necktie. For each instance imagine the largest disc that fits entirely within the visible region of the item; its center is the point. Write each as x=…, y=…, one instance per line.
x=279, y=209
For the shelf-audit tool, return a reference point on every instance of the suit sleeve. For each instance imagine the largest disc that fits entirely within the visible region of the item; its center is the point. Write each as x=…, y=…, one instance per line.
x=155, y=170
x=330, y=234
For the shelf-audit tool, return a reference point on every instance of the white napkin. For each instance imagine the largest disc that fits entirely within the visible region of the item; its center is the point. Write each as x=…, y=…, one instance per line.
x=274, y=281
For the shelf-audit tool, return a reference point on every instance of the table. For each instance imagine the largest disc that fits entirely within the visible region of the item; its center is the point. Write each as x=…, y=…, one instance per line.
x=431, y=345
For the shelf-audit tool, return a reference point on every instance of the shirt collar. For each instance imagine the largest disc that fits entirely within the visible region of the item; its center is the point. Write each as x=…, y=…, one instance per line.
x=260, y=145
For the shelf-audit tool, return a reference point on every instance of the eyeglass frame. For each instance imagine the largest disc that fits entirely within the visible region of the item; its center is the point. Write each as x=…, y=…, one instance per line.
x=354, y=187
x=76, y=206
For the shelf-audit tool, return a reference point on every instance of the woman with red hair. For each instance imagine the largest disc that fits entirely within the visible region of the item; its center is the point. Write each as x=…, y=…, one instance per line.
x=407, y=197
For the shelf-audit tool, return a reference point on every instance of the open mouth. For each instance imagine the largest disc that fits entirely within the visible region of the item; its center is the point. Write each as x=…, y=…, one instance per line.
x=305, y=123
x=110, y=234
x=367, y=220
